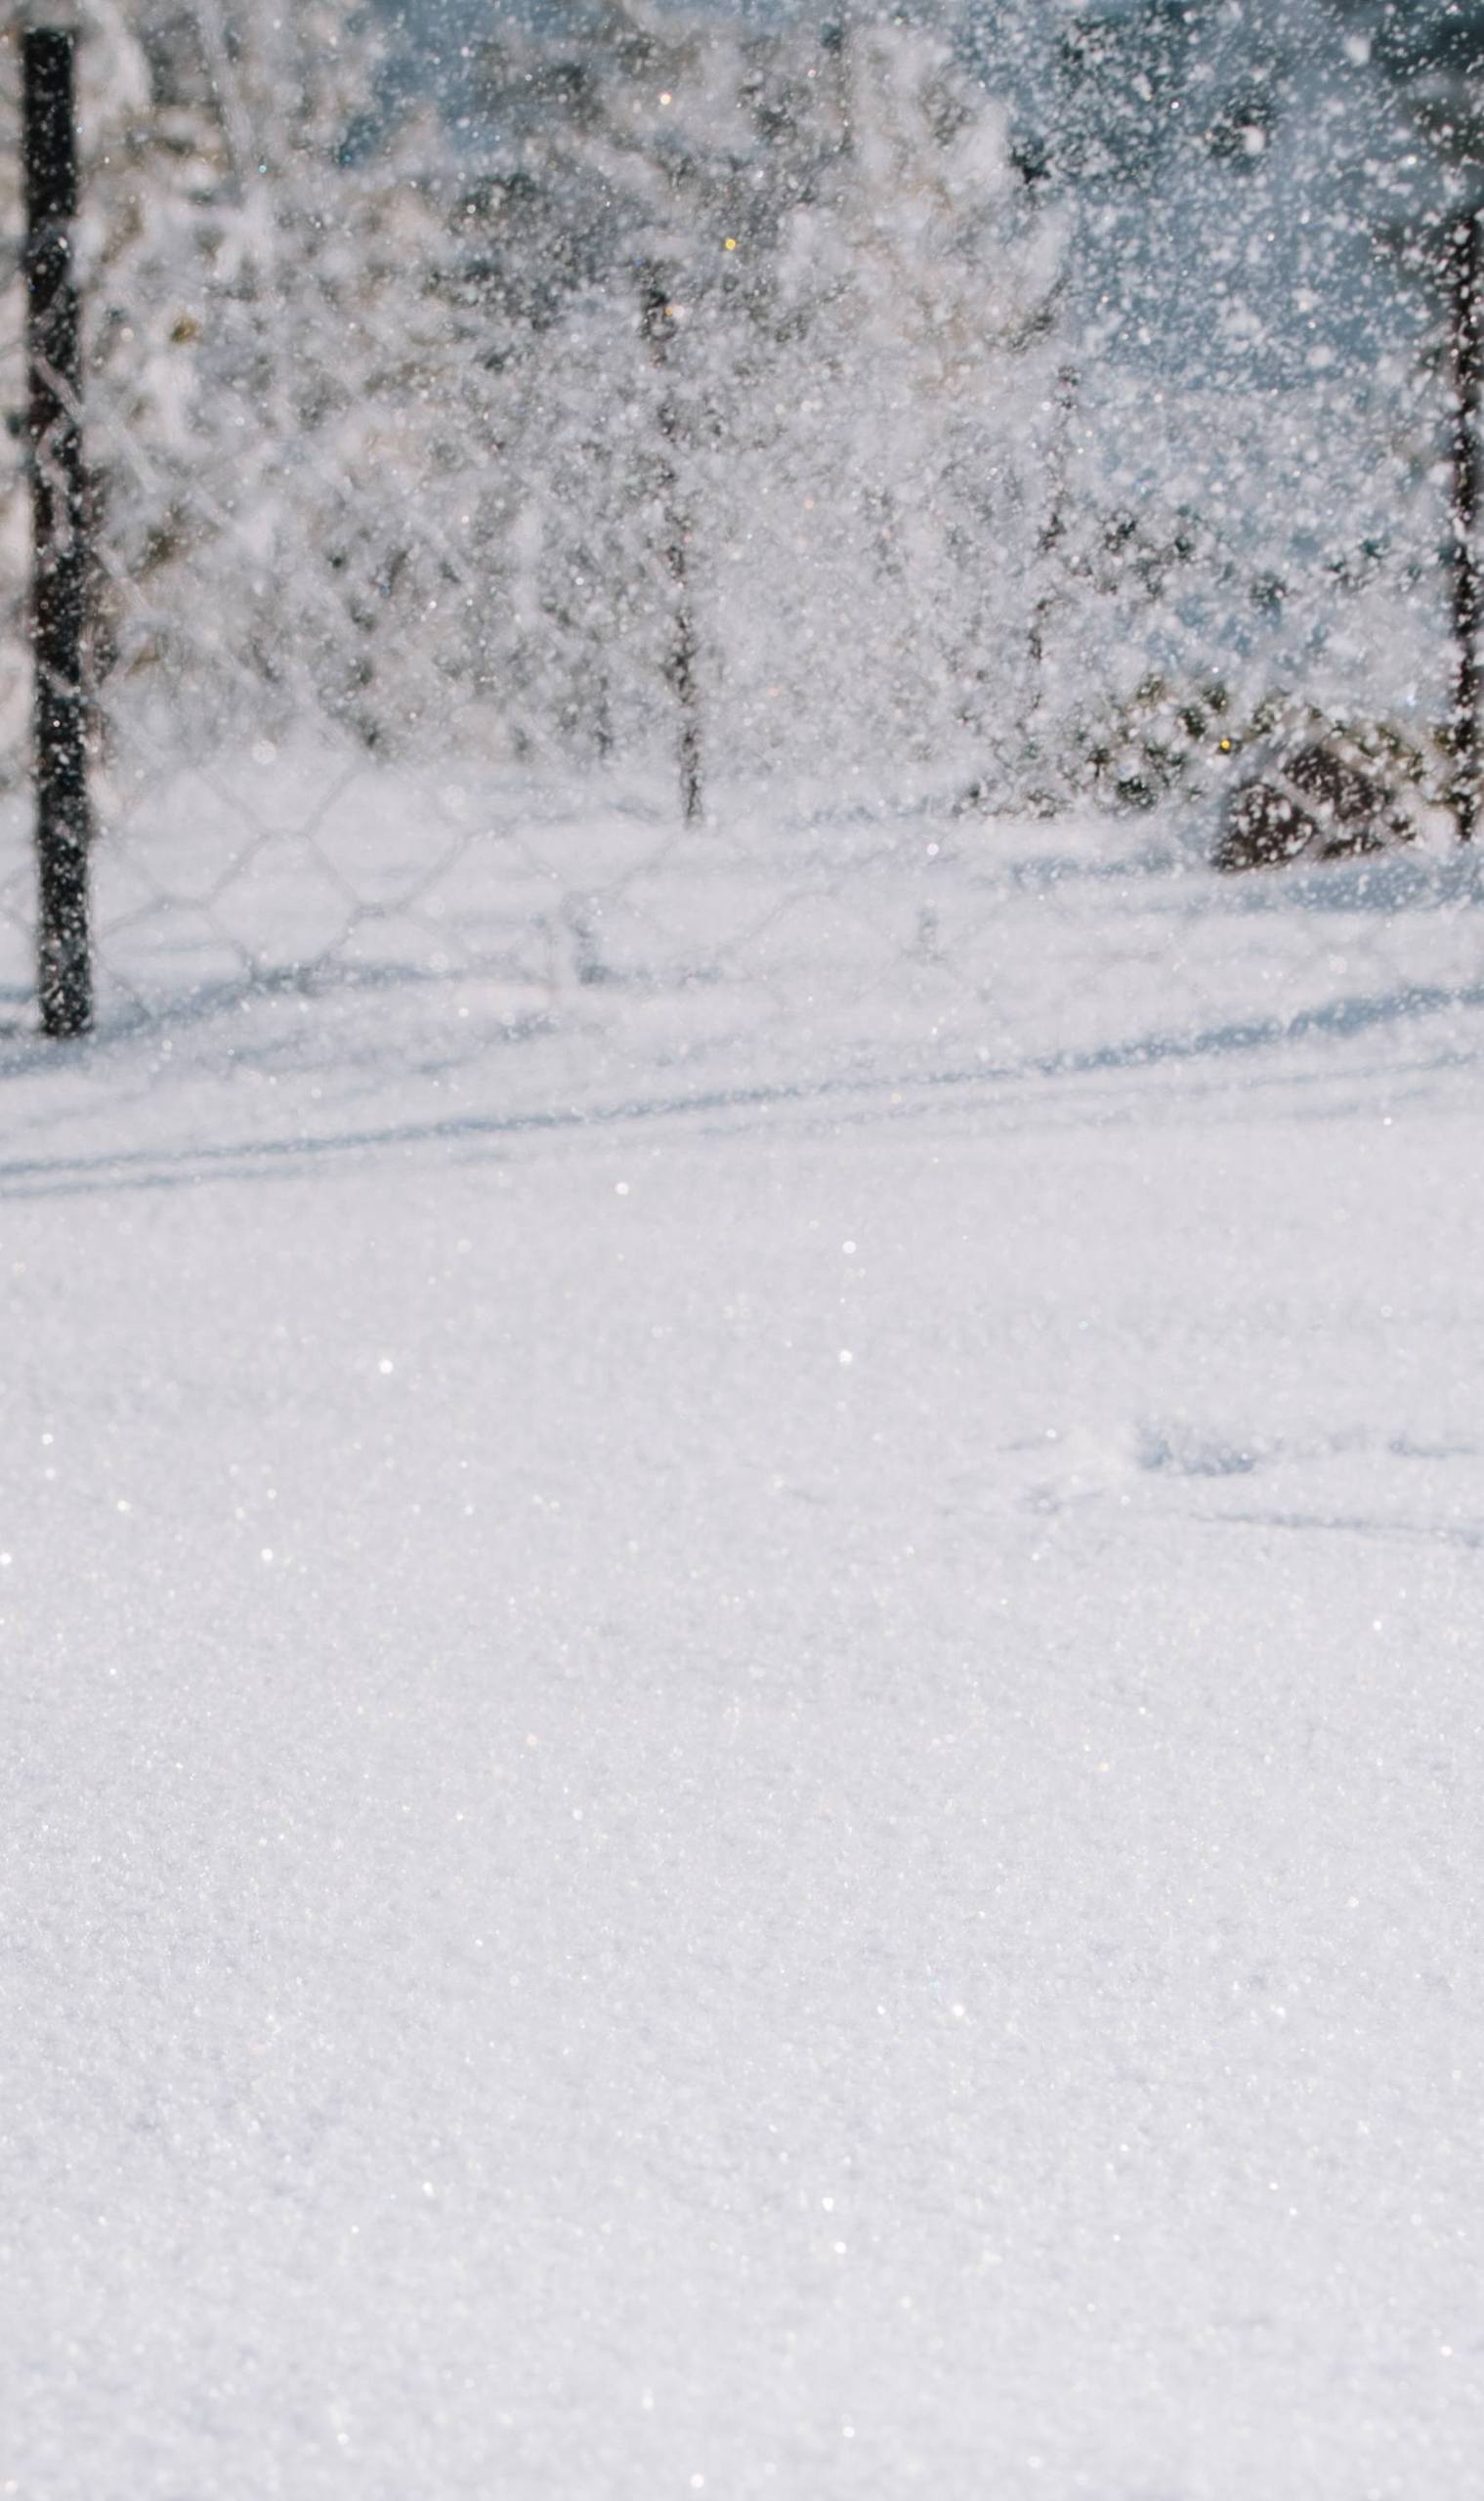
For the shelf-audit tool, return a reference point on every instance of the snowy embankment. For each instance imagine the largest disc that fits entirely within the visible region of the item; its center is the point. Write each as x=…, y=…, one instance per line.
x=743, y=1718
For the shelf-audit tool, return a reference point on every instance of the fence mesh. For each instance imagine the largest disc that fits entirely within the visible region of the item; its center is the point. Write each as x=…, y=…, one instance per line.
x=414, y=479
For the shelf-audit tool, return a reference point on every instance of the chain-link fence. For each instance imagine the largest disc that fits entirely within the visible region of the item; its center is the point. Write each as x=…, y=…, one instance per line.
x=667, y=611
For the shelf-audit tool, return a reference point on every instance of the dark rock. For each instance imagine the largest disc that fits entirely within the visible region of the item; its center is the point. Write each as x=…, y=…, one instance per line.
x=1265, y=828
x=1315, y=801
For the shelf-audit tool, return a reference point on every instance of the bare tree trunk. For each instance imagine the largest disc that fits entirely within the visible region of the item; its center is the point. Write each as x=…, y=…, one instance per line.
x=1053, y=528
x=657, y=323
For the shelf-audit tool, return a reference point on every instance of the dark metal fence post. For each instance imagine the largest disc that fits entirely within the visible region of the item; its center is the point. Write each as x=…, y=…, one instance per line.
x=59, y=532
x=1468, y=362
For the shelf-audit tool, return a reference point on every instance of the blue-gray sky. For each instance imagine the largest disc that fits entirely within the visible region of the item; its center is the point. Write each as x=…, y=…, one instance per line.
x=1242, y=168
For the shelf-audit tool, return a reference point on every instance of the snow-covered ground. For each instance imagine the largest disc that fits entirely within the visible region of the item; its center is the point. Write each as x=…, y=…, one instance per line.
x=742, y=1702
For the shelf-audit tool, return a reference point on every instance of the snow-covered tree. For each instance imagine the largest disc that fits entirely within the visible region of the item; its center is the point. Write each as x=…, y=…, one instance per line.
x=711, y=378
x=261, y=349
x=892, y=483
x=834, y=411
x=262, y=338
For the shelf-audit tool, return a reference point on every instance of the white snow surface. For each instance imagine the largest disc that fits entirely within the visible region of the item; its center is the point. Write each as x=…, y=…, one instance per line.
x=742, y=1725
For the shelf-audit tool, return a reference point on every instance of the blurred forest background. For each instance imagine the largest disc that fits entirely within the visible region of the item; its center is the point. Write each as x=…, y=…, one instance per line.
x=1035, y=395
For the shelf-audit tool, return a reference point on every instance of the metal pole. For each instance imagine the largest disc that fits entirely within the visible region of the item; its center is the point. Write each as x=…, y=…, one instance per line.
x=657, y=322
x=59, y=531
x=1467, y=360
